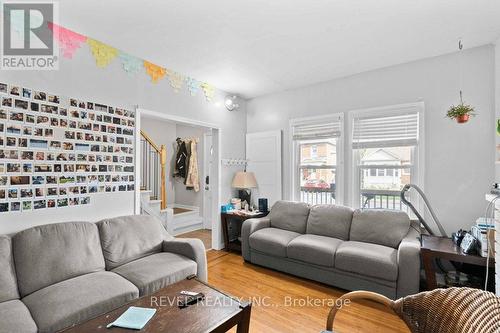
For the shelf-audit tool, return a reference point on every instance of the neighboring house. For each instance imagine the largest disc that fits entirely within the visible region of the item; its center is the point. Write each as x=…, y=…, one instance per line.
x=386, y=176
x=320, y=153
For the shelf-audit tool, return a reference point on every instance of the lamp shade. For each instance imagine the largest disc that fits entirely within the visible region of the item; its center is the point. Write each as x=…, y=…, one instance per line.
x=243, y=179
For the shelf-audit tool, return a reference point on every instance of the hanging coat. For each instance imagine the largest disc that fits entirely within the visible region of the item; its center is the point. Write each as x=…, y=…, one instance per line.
x=193, y=179
x=181, y=160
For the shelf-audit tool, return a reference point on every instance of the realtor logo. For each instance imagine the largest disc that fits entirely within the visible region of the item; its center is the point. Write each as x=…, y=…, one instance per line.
x=27, y=41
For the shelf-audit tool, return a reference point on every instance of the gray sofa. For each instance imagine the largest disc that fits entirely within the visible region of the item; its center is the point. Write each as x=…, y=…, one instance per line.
x=54, y=276
x=376, y=250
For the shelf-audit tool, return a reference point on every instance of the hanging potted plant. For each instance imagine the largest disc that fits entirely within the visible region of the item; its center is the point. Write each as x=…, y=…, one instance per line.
x=461, y=112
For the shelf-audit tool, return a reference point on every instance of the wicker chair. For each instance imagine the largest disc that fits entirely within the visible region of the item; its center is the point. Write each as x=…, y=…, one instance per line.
x=451, y=310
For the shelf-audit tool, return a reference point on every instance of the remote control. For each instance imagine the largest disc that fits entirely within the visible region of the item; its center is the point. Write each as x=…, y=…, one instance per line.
x=190, y=300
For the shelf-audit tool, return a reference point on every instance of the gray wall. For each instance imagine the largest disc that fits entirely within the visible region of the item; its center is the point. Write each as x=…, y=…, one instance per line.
x=81, y=79
x=163, y=133
x=459, y=161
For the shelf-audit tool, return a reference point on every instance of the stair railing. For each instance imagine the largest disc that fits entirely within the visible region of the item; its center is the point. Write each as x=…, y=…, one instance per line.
x=153, y=169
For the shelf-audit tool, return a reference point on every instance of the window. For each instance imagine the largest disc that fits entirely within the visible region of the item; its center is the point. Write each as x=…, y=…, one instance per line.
x=385, y=144
x=317, y=150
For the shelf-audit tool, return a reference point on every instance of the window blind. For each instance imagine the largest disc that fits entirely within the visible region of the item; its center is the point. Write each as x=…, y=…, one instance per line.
x=385, y=131
x=329, y=129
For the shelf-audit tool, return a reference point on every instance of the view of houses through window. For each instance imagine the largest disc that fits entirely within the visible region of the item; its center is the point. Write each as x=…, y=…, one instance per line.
x=383, y=150
x=317, y=170
x=383, y=173
x=384, y=156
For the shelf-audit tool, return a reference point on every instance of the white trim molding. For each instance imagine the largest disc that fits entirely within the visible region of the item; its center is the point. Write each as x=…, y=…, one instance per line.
x=217, y=243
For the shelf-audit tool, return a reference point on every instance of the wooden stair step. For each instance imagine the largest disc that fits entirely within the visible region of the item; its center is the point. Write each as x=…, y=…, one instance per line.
x=154, y=201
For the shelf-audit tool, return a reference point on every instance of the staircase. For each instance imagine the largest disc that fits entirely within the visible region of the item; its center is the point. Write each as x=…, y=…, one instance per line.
x=185, y=221
x=151, y=206
x=153, y=191
x=153, y=174
x=174, y=223
x=153, y=169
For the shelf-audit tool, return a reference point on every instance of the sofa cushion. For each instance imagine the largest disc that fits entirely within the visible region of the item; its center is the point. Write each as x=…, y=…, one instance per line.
x=8, y=283
x=272, y=241
x=314, y=249
x=16, y=318
x=51, y=253
x=367, y=259
x=288, y=215
x=330, y=220
x=156, y=271
x=378, y=226
x=128, y=238
x=78, y=299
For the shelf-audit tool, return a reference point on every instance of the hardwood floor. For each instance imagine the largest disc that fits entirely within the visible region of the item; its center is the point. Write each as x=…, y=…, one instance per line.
x=228, y=272
x=204, y=234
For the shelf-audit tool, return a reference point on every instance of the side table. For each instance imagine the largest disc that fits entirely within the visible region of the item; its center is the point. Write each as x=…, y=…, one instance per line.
x=443, y=248
x=226, y=218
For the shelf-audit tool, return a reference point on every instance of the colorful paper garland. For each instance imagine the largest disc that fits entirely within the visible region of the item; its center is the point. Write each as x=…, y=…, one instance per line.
x=176, y=80
x=130, y=64
x=154, y=71
x=193, y=85
x=68, y=40
x=208, y=90
x=102, y=53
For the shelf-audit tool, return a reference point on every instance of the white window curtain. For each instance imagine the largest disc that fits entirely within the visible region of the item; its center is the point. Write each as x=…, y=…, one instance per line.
x=321, y=130
x=395, y=130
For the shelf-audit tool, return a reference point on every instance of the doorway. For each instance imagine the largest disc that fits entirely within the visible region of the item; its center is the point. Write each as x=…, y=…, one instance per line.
x=189, y=212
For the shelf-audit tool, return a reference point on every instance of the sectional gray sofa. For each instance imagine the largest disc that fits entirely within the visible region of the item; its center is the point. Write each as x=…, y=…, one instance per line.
x=375, y=250
x=54, y=276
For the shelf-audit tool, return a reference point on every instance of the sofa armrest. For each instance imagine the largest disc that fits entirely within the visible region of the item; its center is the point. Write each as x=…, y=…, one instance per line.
x=249, y=227
x=409, y=262
x=191, y=248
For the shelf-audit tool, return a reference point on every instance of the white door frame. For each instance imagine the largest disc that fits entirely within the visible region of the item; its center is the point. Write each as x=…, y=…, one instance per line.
x=216, y=142
x=207, y=194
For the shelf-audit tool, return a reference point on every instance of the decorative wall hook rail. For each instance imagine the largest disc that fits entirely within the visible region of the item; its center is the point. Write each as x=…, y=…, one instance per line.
x=234, y=162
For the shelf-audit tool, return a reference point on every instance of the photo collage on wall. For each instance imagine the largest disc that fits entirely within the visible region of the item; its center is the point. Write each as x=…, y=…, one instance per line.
x=58, y=152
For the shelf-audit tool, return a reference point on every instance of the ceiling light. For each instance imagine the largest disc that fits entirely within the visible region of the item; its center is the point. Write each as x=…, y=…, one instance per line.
x=231, y=103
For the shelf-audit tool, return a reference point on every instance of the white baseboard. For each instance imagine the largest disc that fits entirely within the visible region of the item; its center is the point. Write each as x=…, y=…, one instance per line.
x=176, y=205
x=183, y=230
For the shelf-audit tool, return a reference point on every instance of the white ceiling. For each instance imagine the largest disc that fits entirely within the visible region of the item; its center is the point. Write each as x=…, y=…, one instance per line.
x=256, y=47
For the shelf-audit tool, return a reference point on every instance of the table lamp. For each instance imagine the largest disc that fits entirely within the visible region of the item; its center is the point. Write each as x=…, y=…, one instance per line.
x=244, y=181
